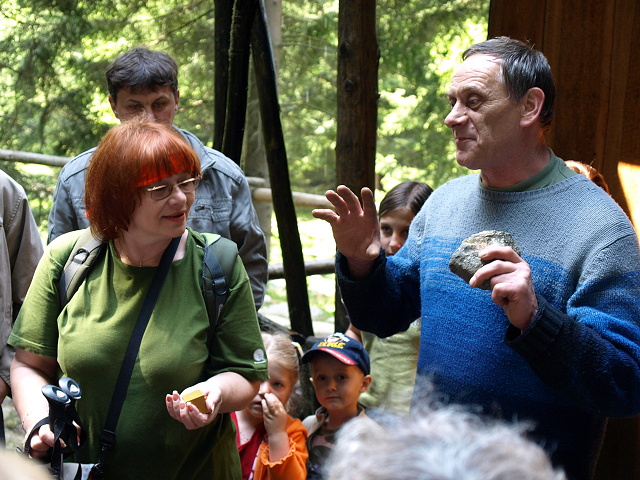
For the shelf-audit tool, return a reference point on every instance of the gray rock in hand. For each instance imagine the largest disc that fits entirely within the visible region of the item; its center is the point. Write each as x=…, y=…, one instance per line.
x=465, y=260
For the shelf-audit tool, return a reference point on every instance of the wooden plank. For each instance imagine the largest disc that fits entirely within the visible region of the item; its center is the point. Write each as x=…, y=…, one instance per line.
x=591, y=47
x=622, y=145
x=582, y=76
x=621, y=168
x=522, y=19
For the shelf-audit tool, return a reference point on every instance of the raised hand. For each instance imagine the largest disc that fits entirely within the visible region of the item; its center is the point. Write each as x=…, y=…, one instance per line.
x=355, y=227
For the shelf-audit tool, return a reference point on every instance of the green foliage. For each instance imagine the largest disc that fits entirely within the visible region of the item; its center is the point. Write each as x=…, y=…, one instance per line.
x=39, y=183
x=420, y=41
x=53, y=55
x=317, y=244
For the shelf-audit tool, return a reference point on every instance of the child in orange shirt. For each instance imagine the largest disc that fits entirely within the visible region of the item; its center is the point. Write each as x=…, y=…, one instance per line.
x=272, y=444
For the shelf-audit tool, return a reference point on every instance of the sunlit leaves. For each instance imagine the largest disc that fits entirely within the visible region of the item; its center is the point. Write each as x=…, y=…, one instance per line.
x=53, y=55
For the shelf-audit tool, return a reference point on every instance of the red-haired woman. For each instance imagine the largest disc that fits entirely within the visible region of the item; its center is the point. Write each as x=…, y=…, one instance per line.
x=140, y=187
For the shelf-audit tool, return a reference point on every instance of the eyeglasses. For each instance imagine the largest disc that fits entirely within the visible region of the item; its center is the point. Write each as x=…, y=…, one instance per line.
x=160, y=192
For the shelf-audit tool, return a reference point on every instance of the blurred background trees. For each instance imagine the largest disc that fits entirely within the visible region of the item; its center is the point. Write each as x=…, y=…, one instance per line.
x=53, y=55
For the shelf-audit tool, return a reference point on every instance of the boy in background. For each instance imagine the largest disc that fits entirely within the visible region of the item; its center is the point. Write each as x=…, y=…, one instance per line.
x=340, y=372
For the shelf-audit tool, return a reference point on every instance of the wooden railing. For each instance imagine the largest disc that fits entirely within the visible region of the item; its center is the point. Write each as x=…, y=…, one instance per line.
x=27, y=157
x=259, y=193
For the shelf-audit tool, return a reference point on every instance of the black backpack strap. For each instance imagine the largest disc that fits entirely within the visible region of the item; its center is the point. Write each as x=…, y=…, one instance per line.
x=83, y=256
x=217, y=268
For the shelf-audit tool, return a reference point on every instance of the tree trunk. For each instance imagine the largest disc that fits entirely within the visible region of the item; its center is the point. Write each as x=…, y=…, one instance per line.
x=358, y=56
x=239, y=54
x=254, y=159
x=222, y=36
x=273, y=10
x=297, y=294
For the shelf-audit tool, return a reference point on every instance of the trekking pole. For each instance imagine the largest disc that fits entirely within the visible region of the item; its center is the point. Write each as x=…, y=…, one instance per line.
x=3, y=440
x=71, y=388
x=74, y=392
x=58, y=401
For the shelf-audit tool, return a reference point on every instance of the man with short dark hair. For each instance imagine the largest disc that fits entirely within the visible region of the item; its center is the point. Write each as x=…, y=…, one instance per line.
x=145, y=82
x=556, y=338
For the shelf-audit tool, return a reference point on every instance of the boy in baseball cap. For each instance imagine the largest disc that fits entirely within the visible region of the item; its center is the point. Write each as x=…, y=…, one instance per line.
x=340, y=372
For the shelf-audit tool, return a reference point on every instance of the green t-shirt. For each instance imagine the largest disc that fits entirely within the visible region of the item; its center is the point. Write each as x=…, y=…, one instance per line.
x=554, y=172
x=89, y=338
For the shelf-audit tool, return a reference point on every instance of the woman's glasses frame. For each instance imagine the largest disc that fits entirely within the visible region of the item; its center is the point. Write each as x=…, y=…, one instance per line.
x=162, y=191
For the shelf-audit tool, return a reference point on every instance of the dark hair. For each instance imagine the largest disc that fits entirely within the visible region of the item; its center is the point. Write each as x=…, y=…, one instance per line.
x=141, y=68
x=522, y=68
x=131, y=154
x=407, y=194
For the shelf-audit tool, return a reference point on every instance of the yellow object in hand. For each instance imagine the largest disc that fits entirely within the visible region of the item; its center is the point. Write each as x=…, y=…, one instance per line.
x=197, y=398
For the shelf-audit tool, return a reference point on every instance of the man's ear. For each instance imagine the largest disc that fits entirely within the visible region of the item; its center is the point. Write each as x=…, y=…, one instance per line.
x=366, y=383
x=177, y=97
x=113, y=105
x=531, y=106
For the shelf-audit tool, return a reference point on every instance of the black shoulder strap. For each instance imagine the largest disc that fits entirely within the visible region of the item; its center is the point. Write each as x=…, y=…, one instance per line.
x=217, y=268
x=84, y=254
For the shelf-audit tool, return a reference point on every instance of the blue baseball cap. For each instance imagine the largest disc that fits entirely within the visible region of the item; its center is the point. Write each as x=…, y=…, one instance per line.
x=347, y=350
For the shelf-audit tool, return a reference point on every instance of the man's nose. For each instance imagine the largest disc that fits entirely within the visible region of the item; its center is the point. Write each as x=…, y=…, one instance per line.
x=456, y=116
x=148, y=112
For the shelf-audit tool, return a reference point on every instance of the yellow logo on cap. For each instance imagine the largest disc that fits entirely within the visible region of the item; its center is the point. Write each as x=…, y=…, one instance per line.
x=332, y=344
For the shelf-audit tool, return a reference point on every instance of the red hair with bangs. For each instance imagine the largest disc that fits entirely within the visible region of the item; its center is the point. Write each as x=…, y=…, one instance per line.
x=132, y=154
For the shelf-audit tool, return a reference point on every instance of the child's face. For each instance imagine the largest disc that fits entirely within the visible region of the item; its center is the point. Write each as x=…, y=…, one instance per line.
x=279, y=383
x=338, y=386
x=394, y=229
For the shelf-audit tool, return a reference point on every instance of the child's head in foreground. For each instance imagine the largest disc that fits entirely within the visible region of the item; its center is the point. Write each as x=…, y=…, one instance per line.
x=445, y=443
x=340, y=372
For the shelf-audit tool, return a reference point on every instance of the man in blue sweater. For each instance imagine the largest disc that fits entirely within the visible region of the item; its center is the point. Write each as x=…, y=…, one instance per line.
x=556, y=341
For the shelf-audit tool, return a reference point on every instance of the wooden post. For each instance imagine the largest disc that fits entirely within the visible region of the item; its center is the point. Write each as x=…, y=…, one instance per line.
x=358, y=56
x=293, y=261
x=591, y=47
x=222, y=38
x=239, y=54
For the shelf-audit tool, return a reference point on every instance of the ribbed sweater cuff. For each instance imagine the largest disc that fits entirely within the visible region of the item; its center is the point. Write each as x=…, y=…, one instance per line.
x=540, y=335
x=342, y=268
